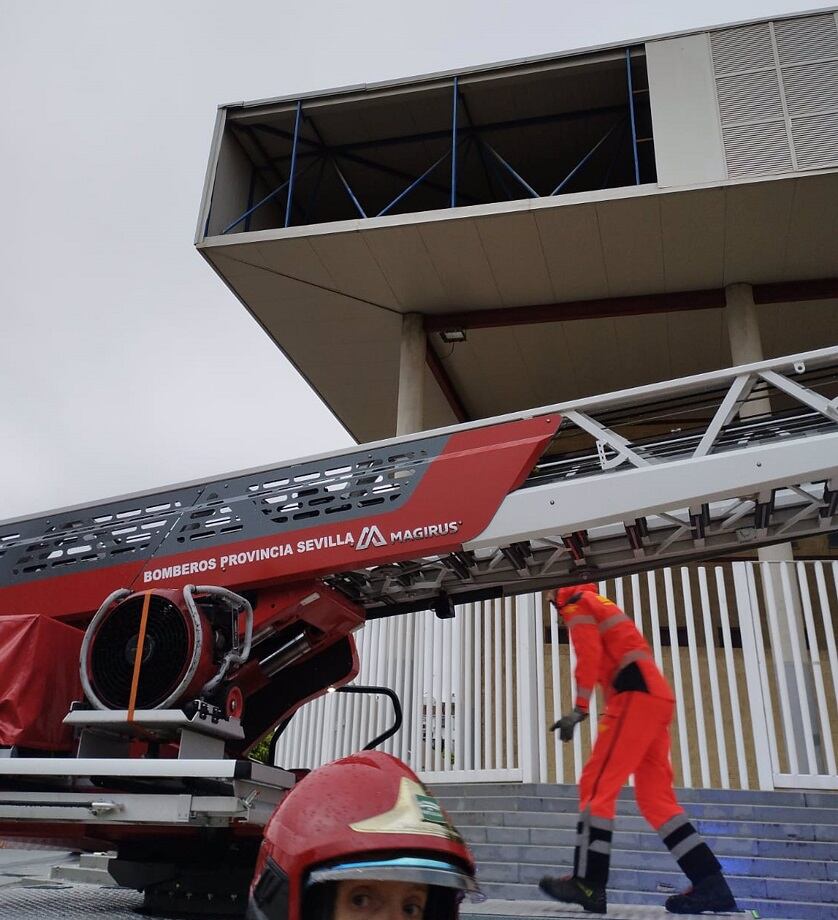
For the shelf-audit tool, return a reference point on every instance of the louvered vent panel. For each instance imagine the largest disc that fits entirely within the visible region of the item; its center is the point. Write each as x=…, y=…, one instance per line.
x=749, y=96
x=806, y=39
x=811, y=88
x=816, y=140
x=758, y=149
x=745, y=48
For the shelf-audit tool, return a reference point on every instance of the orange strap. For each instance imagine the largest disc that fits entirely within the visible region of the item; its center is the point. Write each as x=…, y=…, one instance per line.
x=138, y=656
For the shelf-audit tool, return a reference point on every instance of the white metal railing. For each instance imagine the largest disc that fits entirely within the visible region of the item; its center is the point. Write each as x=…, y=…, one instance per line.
x=479, y=691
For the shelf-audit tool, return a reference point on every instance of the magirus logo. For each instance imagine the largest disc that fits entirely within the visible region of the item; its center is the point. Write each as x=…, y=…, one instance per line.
x=370, y=536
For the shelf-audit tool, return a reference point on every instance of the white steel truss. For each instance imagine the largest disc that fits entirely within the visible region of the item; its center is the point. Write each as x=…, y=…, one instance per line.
x=609, y=499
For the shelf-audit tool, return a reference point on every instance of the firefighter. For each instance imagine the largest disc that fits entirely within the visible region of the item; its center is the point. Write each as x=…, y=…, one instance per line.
x=633, y=738
x=361, y=839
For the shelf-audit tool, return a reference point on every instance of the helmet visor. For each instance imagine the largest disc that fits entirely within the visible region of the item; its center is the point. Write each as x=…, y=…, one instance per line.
x=402, y=869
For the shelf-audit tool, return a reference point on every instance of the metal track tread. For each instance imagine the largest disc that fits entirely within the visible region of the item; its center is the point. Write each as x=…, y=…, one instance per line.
x=69, y=902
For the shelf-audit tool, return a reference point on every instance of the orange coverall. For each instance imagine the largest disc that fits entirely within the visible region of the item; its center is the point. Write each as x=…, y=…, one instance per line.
x=633, y=736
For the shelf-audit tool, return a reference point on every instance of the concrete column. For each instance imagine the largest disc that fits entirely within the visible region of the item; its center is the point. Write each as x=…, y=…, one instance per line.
x=745, y=340
x=409, y=418
x=746, y=348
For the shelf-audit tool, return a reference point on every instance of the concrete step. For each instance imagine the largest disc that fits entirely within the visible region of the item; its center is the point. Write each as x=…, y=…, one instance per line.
x=771, y=909
x=561, y=858
x=536, y=910
x=779, y=830
x=564, y=790
x=769, y=814
x=647, y=880
x=726, y=846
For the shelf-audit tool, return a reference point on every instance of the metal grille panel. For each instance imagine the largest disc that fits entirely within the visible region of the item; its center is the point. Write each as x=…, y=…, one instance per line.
x=757, y=149
x=816, y=140
x=745, y=48
x=811, y=88
x=812, y=38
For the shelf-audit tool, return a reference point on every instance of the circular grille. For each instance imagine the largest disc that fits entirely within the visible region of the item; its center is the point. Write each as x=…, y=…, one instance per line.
x=167, y=651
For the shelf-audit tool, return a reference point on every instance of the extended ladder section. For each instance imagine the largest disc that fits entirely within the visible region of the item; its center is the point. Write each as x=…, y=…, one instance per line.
x=711, y=464
x=698, y=467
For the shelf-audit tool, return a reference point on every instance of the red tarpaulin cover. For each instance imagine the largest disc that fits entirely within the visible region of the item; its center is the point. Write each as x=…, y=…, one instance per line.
x=39, y=679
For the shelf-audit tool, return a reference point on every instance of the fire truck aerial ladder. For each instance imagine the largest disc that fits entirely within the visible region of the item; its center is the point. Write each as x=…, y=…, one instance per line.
x=148, y=643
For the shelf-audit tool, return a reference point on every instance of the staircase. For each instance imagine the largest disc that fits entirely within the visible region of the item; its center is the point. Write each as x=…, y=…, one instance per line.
x=779, y=850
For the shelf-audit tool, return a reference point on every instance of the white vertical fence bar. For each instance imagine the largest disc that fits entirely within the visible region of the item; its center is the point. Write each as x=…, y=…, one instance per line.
x=732, y=687
x=498, y=704
x=797, y=664
x=815, y=655
x=635, y=602
x=695, y=679
x=829, y=633
x=529, y=689
x=763, y=673
x=447, y=691
x=469, y=665
x=651, y=584
x=779, y=665
x=675, y=653
x=436, y=698
x=509, y=727
x=479, y=679
x=488, y=734
x=715, y=695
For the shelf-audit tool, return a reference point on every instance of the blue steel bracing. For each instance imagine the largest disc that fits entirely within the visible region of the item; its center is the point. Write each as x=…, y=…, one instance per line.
x=506, y=165
x=631, y=115
x=251, y=189
x=293, y=162
x=454, y=145
x=587, y=157
x=413, y=184
x=268, y=197
x=348, y=188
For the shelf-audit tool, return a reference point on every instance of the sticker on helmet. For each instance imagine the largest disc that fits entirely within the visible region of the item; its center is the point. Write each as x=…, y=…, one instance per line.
x=430, y=809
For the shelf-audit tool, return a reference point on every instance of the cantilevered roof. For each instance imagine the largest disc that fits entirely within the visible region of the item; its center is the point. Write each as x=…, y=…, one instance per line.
x=332, y=295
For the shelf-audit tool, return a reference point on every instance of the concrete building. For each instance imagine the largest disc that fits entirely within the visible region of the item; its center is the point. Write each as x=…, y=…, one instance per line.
x=455, y=246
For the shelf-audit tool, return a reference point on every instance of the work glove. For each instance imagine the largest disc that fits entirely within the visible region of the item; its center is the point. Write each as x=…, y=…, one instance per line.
x=567, y=724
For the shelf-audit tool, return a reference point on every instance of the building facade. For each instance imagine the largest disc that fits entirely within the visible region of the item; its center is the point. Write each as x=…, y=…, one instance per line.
x=455, y=246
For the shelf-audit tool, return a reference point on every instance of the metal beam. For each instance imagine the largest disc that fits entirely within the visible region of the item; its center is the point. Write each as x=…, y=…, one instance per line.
x=444, y=383
x=639, y=305
x=445, y=133
x=712, y=298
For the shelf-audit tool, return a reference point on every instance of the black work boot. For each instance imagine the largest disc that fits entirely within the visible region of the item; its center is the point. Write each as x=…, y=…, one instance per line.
x=711, y=893
x=573, y=890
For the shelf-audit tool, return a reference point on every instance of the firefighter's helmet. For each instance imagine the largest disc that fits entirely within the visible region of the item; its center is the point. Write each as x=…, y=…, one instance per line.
x=364, y=819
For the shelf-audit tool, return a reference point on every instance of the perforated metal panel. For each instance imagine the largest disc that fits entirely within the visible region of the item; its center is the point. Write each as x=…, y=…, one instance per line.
x=777, y=89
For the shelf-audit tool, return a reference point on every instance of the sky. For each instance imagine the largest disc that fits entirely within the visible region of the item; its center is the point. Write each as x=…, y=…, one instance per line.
x=125, y=364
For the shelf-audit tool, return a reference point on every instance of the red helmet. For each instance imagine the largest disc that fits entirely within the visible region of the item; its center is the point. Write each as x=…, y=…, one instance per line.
x=364, y=817
x=568, y=594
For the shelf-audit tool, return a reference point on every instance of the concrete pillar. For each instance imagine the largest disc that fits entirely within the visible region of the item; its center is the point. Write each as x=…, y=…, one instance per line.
x=745, y=340
x=409, y=418
x=746, y=348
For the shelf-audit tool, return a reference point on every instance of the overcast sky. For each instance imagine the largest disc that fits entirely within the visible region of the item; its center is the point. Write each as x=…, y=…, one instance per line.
x=124, y=362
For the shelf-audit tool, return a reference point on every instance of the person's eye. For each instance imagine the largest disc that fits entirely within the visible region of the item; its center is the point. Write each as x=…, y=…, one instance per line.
x=414, y=910
x=361, y=900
